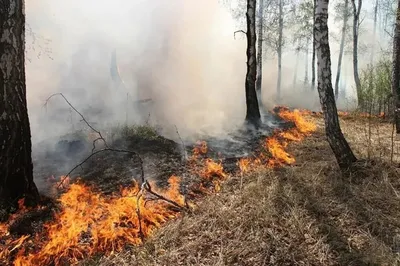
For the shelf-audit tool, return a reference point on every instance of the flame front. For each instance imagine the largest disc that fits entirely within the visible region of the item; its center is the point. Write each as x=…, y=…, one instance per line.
x=89, y=222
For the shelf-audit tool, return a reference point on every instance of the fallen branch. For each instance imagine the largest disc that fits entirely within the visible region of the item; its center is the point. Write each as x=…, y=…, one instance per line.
x=147, y=187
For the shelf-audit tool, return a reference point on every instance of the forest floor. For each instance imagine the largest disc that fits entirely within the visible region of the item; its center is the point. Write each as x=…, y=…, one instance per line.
x=303, y=214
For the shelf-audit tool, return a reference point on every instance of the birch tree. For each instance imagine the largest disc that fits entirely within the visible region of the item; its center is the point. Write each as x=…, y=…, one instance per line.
x=16, y=178
x=313, y=52
x=260, y=46
x=252, y=112
x=345, y=11
x=303, y=30
x=396, y=70
x=356, y=26
x=337, y=142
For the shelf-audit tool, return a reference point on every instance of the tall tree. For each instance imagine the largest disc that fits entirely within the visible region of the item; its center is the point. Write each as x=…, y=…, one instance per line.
x=342, y=41
x=260, y=46
x=253, y=112
x=356, y=26
x=396, y=69
x=303, y=26
x=16, y=178
x=337, y=142
x=374, y=33
x=313, y=52
x=279, y=50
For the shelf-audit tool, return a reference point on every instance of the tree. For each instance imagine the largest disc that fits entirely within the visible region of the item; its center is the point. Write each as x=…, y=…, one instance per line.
x=279, y=51
x=337, y=142
x=260, y=46
x=313, y=52
x=303, y=30
x=356, y=26
x=253, y=112
x=396, y=69
x=374, y=33
x=16, y=179
x=345, y=11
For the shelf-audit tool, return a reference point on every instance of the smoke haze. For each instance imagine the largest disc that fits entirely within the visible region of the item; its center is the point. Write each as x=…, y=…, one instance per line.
x=180, y=53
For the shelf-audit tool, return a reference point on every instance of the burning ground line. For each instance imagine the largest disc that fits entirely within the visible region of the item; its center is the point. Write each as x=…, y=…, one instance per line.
x=130, y=218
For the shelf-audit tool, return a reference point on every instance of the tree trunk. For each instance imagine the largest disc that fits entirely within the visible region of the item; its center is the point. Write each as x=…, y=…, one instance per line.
x=306, y=66
x=260, y=44
x=295, y=68
x=396, y=70
x=253, y=112
x=338, y=143
x=16, y=178
x=356, y=19
x=339, y=68
x=279, y=50
x=374, y=34
x=313, y=54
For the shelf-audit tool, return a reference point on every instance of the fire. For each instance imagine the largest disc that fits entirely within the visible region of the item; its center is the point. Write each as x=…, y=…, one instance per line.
x=91, y=223
x=88, y=222
x=292, y=135
x=278, y=152
x=296, y=116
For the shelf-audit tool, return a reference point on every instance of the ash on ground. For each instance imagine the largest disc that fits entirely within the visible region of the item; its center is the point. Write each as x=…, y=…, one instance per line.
x=109, y=170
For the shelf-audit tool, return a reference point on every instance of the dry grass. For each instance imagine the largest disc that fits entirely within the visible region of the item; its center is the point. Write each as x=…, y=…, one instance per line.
x=300, y=215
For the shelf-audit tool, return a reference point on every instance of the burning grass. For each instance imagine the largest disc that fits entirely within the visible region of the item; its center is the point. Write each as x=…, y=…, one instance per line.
x=305, y=214
x=89, y=222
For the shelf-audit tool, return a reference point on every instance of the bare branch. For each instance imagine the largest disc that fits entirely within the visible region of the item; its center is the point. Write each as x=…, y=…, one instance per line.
x=234, y=34
x=83, y=118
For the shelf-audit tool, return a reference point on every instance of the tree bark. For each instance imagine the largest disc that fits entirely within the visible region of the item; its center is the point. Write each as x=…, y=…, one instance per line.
x=374, y=33
x=356, y=19
x=253, y=112
x=396, y=70
x=337, y=142
x=306, y=67
x=339, y=68
x=260, y=44
x=16, y=178
x=279, y=50
x=296, y=67
x=313, y=54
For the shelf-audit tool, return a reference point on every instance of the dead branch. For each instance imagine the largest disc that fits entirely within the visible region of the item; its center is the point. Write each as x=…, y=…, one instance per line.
x=234, y=34
x=147, y=187
x=83, y=118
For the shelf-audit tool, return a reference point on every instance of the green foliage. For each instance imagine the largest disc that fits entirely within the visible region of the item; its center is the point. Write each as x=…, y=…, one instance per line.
x=141, y=131
x=376, y=86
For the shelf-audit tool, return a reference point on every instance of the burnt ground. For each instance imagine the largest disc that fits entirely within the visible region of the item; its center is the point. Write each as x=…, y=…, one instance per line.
x=108, y=171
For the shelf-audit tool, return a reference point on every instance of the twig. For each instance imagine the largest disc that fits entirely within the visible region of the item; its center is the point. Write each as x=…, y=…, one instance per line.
x=147, y=187
x=83, y=118
x=234, y=34
x=94, y=142
x=183, y=144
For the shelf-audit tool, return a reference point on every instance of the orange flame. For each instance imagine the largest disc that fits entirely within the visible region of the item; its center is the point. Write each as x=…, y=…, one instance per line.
x=89, y=222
